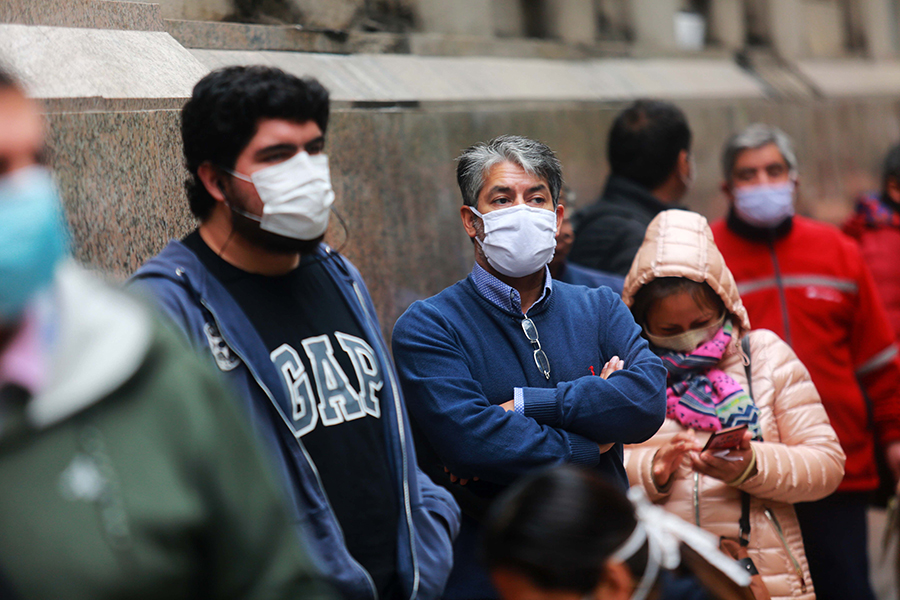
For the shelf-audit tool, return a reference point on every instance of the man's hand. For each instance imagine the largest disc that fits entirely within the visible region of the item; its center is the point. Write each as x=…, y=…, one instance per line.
x=670, y=455
x=724, y=465
x=892, y=457
x=612, y=365
x=455, y=479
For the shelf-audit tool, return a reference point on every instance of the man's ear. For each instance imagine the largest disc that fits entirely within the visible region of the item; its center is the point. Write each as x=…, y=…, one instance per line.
x=468, y=219
x=560, y=216
x=213, y=180
x=684, y=165
x=892, y=189
x=729, y=193
x=616, y=583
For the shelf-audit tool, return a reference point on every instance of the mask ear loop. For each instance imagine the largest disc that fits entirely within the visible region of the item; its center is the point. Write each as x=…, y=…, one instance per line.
x=332, y=253
x=227, y=240
x=344, y=227
x=231, y=208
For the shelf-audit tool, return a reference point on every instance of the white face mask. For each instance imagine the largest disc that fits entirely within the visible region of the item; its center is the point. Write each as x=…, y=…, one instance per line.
x=296, y=196
x=686, y=341
x=765, y=205
x=519, y=240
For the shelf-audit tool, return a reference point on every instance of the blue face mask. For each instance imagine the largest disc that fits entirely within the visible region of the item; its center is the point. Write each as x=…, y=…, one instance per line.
x=33, y=237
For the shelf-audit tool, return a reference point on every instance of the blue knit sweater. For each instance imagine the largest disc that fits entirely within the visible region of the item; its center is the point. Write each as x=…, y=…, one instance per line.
x=460, y=356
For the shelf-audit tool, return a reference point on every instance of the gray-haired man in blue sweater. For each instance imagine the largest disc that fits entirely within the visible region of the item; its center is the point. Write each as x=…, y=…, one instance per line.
x=508, y=371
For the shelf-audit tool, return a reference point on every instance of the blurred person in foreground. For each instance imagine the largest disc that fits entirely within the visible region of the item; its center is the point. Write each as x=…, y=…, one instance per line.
x=127, y=472
x=563, y=270
x=291, y=323
x=808, y=282
x=685, y=298
x=566, y=534
x=651, y=169
x=875, y=225
x=507, y=370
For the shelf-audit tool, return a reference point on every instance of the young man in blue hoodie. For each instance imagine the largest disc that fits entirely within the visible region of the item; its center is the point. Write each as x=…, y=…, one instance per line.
x=291, y=323
x=508, y=371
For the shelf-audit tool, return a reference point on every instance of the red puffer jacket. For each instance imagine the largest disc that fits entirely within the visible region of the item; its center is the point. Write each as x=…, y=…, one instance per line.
x=808, y=283
x=876, y=227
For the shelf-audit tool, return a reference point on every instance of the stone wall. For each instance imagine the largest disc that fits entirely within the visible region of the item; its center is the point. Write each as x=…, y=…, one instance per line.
x=394, y=176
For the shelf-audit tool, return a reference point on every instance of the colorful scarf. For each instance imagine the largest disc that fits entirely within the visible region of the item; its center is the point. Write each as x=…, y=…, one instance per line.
x=703, y=397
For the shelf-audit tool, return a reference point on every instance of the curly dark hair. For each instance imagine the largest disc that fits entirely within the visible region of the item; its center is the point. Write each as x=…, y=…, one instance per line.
x=224, y=112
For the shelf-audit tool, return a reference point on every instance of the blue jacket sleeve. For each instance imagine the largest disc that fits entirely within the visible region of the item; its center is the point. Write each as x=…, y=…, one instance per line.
x=628, y=407
x=471, y=436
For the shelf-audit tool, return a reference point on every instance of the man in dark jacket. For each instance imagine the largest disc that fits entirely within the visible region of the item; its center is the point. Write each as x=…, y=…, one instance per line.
x=291, y=323
x=563, y=270
x=649, y=152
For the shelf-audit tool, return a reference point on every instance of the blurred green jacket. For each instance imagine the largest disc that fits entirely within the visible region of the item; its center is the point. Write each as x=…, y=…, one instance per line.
x=131, y=475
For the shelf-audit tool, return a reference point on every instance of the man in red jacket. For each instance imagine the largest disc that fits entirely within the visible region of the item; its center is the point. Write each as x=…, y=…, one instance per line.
x=807, y=282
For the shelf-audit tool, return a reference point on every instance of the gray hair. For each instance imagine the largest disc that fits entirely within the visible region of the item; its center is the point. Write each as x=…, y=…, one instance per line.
x=753, y=137
x=533, y=156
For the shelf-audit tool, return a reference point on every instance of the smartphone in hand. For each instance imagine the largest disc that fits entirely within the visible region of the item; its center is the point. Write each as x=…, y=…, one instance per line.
x=726, y=439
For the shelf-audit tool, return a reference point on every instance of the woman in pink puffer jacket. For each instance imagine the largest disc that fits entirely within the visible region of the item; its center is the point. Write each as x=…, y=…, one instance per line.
x=683, y=295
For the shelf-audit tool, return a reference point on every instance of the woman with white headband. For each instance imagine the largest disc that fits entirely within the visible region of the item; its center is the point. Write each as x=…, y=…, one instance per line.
x=722, y=376
x=566, y=534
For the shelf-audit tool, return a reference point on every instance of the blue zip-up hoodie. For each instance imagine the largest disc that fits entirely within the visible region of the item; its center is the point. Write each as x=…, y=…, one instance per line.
x=213, y=322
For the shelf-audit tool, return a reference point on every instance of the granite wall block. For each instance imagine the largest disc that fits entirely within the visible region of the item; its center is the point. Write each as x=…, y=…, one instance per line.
x=120, y=176
x=95, y=14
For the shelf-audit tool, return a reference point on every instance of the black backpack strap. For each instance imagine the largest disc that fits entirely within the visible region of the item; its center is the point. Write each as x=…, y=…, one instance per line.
x=744, y=523
x=745, y=497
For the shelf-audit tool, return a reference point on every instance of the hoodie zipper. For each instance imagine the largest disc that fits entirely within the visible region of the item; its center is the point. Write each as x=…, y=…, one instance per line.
x=401, y=429
x=774, y=521
x=309, y=460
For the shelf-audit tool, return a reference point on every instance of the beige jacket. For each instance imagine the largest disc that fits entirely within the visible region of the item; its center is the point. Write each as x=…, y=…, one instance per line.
x=800, y=458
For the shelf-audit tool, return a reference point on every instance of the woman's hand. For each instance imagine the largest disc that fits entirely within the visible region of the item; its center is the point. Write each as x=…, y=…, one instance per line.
x=724, y=465
x=670, y=455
